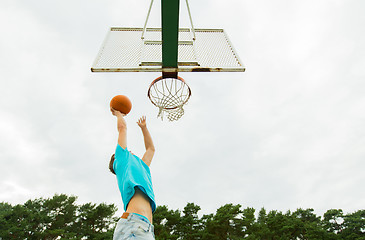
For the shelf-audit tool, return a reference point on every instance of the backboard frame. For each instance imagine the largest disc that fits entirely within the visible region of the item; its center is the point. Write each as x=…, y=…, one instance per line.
x=206, y=53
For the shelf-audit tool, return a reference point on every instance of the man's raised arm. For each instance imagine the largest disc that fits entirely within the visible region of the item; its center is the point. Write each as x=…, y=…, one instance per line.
x=148, y=143
x=122, y=128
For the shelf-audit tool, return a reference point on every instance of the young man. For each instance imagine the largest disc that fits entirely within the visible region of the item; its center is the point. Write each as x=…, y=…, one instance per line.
x=134, y=182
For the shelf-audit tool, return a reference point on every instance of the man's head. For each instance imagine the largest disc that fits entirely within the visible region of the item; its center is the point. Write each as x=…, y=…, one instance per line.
x=111, y=163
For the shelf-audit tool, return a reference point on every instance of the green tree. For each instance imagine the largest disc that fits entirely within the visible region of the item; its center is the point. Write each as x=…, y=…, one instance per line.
x=250, y=226
x=59, y=214
x=56, y=218
x=5, y=215
x=95, y=221
x=190, y=224
x=262, y=230
x=332, y=223
x=14, y=222
x=166, y=223
x=227, y=223
x=354, y=226
x=277, y=223
x=304, y=224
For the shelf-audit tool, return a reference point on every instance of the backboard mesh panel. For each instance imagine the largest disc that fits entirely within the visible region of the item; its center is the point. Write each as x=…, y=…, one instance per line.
x=151, y=52
x=125, y=51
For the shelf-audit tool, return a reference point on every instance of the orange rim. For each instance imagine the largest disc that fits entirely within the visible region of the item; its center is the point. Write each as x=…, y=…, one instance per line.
x=160, y=78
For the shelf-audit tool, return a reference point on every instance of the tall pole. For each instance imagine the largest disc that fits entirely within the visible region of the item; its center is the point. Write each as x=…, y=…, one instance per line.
x=170, y=35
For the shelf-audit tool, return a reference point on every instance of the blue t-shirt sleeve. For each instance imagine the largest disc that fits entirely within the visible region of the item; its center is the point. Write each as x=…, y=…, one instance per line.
x=121, y=157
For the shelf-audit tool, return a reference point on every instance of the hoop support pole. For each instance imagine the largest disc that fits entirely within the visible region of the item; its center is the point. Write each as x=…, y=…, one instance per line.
x=170, y=32
x=148, y=16
x=191, y=20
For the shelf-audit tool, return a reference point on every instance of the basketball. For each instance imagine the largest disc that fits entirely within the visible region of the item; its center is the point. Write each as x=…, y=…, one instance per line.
x=121, y=103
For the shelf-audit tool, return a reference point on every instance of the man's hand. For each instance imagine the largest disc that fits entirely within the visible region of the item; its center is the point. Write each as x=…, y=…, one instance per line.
x=117, y=113
x=142, y=122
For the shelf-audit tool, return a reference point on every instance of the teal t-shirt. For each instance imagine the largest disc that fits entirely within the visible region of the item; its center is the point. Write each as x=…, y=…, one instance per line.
x=132, y=172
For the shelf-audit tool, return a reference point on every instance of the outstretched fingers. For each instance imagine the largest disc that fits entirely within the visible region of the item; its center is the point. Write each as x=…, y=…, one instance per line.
x=142, y=121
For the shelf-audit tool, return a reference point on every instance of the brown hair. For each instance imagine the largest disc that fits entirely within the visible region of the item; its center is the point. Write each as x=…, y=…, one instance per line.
x=111, y=164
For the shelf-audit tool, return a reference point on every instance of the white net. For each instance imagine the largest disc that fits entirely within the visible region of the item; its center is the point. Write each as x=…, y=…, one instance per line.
x=169, y=95
x=172, y=114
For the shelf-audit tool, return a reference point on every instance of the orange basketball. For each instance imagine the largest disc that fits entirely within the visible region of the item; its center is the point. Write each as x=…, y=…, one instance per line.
x=121, y=103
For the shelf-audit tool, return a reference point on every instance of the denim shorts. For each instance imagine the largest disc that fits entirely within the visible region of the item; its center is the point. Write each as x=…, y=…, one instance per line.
x=134, y=227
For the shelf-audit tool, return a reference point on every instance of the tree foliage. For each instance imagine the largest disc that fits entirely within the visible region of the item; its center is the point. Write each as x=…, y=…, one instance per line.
x=60, y=217
x=231, y=222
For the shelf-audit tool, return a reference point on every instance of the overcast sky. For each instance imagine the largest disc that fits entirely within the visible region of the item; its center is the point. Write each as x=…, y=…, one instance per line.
x=288, y=133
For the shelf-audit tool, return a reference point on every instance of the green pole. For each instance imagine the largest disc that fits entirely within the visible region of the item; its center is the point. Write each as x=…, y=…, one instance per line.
x=170, y=33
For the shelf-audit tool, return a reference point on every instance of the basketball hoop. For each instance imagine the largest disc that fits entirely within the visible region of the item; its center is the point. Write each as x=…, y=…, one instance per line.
x=169, y=95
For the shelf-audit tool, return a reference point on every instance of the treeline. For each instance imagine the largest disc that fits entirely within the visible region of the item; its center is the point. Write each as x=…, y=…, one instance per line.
x=232, y=222
x=60, y=217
